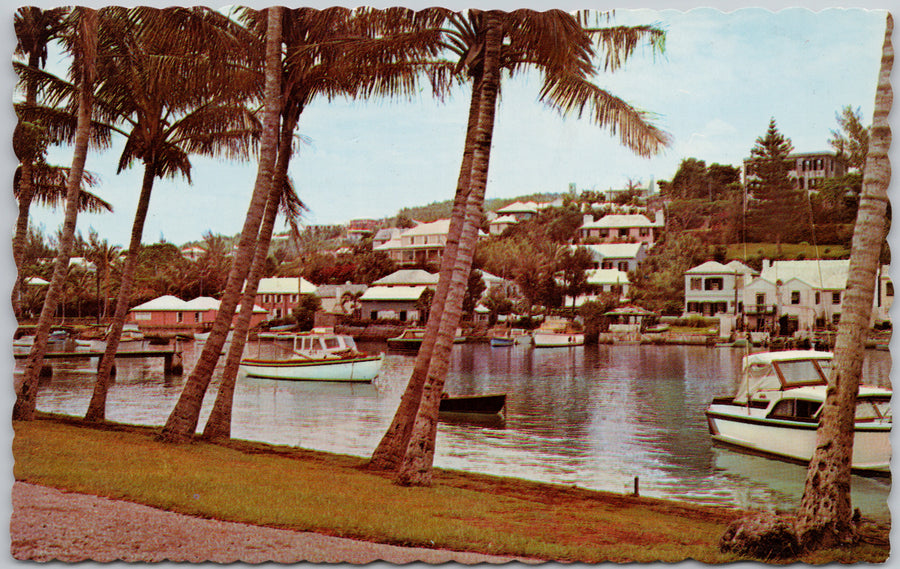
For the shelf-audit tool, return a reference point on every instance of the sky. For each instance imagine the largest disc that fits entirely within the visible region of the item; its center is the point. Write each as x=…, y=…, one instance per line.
x=721, y=79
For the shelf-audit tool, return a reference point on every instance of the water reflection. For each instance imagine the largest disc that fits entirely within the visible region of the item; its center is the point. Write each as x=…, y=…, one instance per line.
x=593, y=416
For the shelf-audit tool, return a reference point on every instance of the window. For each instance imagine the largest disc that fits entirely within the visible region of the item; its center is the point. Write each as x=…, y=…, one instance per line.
x=889, y=289
x=761, y=298
x=623, y=232
x=796, y=409
x=696, y=283
x=692, y=307
x=818, y=297
x=715, y=283
x=179, y=317
x=198, y=317
x=645, y=231
x=606, y=265
x=402, y=316
x=142, y=316
x=835, y=298
x=623, y=266
x=795, y=297
x=373, y=315
x=603, y=233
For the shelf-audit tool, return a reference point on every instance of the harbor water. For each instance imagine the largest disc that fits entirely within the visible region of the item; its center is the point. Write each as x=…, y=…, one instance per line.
x=592, y=416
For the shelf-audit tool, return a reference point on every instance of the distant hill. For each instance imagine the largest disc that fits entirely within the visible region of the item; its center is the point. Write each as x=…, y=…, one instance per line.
x=442, y=210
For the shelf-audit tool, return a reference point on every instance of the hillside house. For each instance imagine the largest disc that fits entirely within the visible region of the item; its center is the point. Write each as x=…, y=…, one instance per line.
x=280, y=296
x=392, y=303
x=604, y=281
x=621, y=256
x=384, y=235
x=501, y=224
x=421, y=244
x=616, y=228
x=360, y=229
x=409, y=277
x=340, y=299
x=712, y=288
x=808, y=170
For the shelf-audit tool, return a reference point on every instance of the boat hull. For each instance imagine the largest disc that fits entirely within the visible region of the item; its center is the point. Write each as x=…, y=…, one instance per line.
x=363, y=369
x=795, y=441
x=474, y=404
x=556, y=340
x=502, y=342
x=403, y=344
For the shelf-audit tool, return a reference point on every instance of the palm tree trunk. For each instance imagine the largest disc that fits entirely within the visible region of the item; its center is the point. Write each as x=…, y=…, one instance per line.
x=825, y=515
x=416, y=468
x=218, y=425
x=26, y=394
x=392, y=447
x=182, y=422
x=97, y=407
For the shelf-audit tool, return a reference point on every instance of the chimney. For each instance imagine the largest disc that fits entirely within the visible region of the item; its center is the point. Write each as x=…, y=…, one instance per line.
x=660, y=219
x=766, y=264
x=587, y=218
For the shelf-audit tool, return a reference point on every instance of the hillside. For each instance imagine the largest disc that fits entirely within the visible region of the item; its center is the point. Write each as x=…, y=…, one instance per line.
x=441, y=210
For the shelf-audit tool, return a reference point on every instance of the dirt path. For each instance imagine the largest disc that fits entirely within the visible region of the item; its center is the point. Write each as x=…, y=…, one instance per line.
x=49, y=524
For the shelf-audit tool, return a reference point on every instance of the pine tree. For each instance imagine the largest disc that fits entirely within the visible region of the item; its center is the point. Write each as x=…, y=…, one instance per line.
x=775, y=200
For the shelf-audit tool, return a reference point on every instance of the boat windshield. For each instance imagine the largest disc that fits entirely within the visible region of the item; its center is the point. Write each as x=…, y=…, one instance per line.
x=873, y=409
x=332, y=343
x=349, y=342
x=801, y=372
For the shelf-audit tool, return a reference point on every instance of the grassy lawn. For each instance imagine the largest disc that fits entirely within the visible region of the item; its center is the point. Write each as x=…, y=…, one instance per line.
x=788, y=251
x=291, y=488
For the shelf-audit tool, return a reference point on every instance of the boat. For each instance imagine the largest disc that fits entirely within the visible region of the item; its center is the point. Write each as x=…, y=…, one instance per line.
x=409, y=340
x=502, y=341
x=460, y=338
x=520, y=335
x=130, y=333
x=775, y=411
x=556, y=339
x=473, y=404
x=318, y=356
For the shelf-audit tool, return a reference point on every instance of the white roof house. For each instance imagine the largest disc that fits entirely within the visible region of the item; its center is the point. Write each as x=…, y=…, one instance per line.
x=823, y=274
x=622, y=256
x=285, y=285
x=423, y=243
x=618, y=228
x=501, y=224
x=393, y=293
x=166, y=302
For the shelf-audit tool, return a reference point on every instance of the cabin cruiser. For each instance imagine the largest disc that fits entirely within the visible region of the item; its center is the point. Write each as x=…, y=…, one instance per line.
x=320, y=355
x=775, y=411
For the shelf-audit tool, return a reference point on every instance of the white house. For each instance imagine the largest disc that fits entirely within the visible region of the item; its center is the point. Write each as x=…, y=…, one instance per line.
x=409, y=277
x=392, y=303
x=616, y=228
x=803, y=295
x=423, y=243
x=712, y=288
x=622, y=256
x=501, y=224
x=605, y=281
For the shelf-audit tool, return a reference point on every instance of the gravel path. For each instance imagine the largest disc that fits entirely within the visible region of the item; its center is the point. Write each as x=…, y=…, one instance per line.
x=49, y=524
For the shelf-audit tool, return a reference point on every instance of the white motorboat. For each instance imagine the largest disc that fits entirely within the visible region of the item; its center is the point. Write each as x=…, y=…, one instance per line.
x=557, y=339
x=319, y=356
x=775, y=411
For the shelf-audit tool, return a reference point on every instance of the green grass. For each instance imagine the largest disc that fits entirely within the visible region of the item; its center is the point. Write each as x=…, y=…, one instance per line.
x=749, y=251
x=296, y=489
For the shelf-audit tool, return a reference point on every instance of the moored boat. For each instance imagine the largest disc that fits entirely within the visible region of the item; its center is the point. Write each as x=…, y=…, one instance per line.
x=473, y=404
x=409, y=340
x=552, y=339
x=502, y=341
x=318, y=356
x=775, y=411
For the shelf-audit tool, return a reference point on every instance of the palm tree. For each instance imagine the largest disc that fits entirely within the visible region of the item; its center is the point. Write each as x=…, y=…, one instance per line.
x=329, y=52
x=182, y=422
x=104, y=256
x=825, y=516
x=84, y=50
x=180, y=98
x=557, y=44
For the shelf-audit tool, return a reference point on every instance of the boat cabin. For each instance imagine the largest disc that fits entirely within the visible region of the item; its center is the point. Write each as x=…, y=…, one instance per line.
x=318, y=345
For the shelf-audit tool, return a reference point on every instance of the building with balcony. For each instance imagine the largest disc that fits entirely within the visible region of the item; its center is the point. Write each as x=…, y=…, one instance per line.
x=621, y=256
x=712, y=289
x=809, y=170
x=616, y=228
x=421, y=244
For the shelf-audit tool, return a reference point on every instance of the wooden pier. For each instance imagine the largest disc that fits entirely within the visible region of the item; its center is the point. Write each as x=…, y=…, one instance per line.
x=171, y=358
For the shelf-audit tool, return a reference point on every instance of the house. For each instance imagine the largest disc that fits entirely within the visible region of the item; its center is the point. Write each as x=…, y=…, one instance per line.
x=622, y=256
x=280, y=296
x=712, y=288
x=520, y=211
x=392, y=303
x=169, y=314
x=360, y=229
x=804, y=295
x=409, y=277
x=506, y=287
x=808, y=170
x=421, y=244
x=604, y=281
x=501, y=224
x=616, y=228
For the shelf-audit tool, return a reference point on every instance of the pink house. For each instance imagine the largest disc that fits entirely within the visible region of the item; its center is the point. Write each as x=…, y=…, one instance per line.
x=171, y=314
x=622, y=229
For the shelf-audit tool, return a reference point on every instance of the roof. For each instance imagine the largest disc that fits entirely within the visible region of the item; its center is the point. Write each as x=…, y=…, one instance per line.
x=412, y=277
x=614, y=250
x=822, y=274
x=167, y=302
x=606, y=276
x=505, y=219
x=717, y=268
x=35, y=281
x=630, y=310
x=392, y=243
x=520, y=207
x=617, y=220
x=740, y=267
x=439, y=227
x=285, y=285
x=202, y=303
x=409, y=293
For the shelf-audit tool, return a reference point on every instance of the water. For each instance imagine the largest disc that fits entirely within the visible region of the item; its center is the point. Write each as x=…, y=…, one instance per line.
x=592, y=416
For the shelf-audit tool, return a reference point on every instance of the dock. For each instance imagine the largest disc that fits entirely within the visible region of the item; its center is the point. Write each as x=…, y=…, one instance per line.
x=171, y=358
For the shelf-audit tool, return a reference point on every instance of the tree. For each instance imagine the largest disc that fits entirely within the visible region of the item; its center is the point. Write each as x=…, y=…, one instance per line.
x=851, y=142
x=775, y=203
x=84, y=49
x=104, y=256
x=564, y=54
x=177, y=103
x=182, y=421
x=825, y=515
x=572, y=267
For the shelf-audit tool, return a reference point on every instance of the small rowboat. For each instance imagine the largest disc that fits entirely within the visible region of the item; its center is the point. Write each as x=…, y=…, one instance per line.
x=473, y=404
x=410, y=340
x=502, y=341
